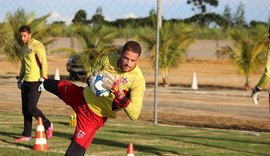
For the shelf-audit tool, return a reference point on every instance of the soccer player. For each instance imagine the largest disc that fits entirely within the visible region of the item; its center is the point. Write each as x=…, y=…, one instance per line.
x=33, y=67
x=92, y=111
x=264, y=79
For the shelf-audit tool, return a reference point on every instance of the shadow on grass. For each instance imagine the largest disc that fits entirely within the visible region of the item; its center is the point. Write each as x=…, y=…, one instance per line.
x=197, y=140
x=55, y=134
x=208, y=141
x=14, y=136
x=62, y=123
x=139, y=148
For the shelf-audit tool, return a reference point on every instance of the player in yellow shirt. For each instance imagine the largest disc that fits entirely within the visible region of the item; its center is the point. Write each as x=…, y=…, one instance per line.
x=92, y=111
x=265, y=78
x=33, y=67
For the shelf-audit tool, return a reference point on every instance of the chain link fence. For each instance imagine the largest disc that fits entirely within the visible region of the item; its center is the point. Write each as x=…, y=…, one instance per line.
x=211, y=22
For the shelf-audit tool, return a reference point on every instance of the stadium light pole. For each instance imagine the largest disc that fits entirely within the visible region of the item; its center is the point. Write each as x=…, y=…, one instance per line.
x=159, y=23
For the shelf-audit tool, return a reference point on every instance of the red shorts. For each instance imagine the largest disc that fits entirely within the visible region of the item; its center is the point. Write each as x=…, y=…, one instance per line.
x=87, y=121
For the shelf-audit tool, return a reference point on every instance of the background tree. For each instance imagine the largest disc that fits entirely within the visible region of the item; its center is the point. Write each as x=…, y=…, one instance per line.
x=98, y=19
x=227, y=15
x=248, y=53
x=239, y=16
x=174, y=40
x=59, y=29
x=80, y=17
x=12, y=44
x=153, y=17
x=202, y=4
x=96, y=41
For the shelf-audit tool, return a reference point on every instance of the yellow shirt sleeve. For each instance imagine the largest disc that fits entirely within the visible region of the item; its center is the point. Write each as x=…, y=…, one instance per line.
x=133, y=110
x=41, y=55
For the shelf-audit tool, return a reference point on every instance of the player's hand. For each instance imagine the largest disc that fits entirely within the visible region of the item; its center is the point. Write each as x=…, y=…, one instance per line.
x=110, y=82
x=41, y=85
x=19, y=82
x=116, y=86
x=117, y=91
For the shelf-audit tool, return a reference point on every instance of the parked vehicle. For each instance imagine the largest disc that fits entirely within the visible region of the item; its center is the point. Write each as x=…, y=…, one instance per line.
x=75, y=68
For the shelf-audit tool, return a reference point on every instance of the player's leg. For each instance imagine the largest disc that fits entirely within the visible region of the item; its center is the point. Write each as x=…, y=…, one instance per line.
x=33, y=97
x=75, y=149
x=27, y=117
x=70, y=93
x=51, y=86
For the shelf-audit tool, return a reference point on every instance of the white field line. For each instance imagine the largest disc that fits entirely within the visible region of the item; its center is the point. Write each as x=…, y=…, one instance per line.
x=27, y=149
x=5, y=122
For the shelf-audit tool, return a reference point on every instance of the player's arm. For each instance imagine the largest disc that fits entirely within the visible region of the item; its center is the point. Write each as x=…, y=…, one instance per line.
x=22, y=70
x=21, y=75
x=41, y=54
x=132, y=104
x=133, y=109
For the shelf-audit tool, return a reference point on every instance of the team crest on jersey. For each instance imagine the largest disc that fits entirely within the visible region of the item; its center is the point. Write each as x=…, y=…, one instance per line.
x=124, y=80
x=80, y=134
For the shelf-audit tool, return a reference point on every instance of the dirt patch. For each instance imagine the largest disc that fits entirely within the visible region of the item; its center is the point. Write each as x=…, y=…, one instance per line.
x=219, y=102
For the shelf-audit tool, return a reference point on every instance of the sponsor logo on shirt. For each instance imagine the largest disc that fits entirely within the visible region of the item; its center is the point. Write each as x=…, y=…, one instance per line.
x=80, y=134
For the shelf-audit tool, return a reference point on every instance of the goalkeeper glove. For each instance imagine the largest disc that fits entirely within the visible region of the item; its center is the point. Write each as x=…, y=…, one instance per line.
x=113, y=84
x=19, y=82
x=41, y=85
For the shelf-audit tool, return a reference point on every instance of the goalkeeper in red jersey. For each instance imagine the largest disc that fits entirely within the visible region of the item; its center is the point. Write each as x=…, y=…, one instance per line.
x=125, y=80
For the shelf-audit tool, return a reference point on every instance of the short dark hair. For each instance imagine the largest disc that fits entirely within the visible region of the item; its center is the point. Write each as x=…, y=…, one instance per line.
x=25, y=28
x=132, y=46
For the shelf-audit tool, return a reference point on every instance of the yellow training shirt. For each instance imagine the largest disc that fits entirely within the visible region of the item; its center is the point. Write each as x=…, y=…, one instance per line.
x=132, y=83
x=34, y=62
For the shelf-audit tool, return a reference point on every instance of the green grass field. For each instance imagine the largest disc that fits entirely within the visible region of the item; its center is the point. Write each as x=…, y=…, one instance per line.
x=148, y=139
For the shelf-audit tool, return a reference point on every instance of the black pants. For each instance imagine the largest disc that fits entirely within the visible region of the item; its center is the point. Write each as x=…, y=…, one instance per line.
x=30, y=96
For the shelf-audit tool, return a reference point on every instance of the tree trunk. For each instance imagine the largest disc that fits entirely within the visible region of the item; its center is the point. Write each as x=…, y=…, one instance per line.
x=247, y=86
x=164, y=82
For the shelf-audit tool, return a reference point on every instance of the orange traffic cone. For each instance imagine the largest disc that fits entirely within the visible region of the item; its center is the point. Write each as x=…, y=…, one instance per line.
x=130, y=150
x=40, y=142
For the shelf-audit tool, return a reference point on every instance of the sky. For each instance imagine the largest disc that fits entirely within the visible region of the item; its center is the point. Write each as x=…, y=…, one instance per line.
x=64, y=10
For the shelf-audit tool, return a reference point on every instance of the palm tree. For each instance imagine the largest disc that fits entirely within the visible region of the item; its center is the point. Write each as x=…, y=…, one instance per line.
x=12, y=44
x=248, y=52
x=97, y=41
x=174, y=40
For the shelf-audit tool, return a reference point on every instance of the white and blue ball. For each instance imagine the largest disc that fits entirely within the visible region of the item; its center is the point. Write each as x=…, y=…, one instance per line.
x=97, y=88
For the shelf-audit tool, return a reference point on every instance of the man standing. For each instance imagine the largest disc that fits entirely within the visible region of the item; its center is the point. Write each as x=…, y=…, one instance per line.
x=264, y=79
x=127, y=90
x=33, y=67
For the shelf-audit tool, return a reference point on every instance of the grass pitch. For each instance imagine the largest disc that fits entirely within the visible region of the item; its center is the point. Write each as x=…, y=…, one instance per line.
x=147, y=139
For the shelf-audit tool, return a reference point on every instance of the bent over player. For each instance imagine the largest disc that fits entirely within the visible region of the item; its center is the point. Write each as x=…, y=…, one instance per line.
x=92, y=111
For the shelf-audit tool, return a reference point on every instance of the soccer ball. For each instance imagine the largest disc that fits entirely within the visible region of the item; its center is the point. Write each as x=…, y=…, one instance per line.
x=96, y=86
